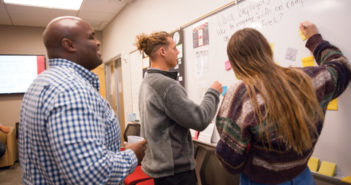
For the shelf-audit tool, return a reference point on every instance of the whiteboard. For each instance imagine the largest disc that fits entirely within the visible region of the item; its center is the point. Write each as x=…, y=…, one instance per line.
x=205, y=55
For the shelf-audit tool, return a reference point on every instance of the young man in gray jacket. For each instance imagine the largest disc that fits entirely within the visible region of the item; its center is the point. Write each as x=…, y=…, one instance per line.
x=167, y=114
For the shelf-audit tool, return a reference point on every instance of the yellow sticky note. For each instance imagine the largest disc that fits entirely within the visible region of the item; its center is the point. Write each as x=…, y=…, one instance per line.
x=327, y=168
x=313, y=163
x=346, y=179
x=272, y=46
x=307, y=61
x=302, y=35
x=333, y=105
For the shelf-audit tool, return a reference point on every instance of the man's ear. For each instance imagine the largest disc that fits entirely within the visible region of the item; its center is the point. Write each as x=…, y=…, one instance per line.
x=162, y=51
x=68, y=45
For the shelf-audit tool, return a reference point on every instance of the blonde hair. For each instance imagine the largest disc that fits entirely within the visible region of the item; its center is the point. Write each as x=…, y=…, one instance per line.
x=291, y=106
x=149, y=44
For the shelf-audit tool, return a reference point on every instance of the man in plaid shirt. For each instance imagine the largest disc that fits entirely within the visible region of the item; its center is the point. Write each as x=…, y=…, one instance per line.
x=68, y=133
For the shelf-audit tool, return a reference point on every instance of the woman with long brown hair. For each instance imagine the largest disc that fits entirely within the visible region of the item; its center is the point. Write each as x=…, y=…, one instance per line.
x=270, y=121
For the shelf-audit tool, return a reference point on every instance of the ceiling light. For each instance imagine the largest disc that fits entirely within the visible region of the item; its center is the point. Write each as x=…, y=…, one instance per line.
x=56, y=4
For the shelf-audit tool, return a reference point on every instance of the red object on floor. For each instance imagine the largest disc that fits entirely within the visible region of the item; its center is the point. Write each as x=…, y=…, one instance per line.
x=146, y=182
x=138, y=177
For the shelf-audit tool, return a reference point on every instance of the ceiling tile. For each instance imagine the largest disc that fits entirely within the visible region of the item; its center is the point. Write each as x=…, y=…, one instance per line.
x=97, y=12
x=4, y=18
x=35, y=16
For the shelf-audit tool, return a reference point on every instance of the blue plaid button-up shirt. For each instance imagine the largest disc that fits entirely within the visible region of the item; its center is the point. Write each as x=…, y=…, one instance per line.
x=68, y=133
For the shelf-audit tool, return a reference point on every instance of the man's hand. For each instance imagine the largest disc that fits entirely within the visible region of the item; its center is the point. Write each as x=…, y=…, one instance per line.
x=217, y=86
x=138, y=148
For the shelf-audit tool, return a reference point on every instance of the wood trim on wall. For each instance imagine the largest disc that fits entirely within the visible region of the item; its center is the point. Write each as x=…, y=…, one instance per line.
x=100, y=72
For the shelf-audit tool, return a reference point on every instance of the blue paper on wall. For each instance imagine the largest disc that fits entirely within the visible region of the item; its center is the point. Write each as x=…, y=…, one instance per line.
x=224, y=90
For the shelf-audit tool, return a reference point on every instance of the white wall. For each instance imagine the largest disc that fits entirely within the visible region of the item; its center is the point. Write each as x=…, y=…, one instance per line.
x=147, y=16
x=151, y=15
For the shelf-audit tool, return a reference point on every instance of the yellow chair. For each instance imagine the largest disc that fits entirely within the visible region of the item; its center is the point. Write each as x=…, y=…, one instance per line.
x=9, y=140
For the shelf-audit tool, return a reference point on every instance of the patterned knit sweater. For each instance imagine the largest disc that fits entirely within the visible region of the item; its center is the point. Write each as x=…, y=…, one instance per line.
x=239, y=148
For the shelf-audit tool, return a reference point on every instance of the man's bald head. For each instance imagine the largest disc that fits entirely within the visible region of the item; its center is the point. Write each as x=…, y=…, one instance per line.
x=56, y=30
x=73, y=39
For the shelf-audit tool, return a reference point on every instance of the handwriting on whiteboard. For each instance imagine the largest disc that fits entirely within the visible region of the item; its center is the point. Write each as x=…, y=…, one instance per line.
x=255, y=14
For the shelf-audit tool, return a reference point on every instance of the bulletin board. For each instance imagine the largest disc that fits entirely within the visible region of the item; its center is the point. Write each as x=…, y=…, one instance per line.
x=205, y=57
